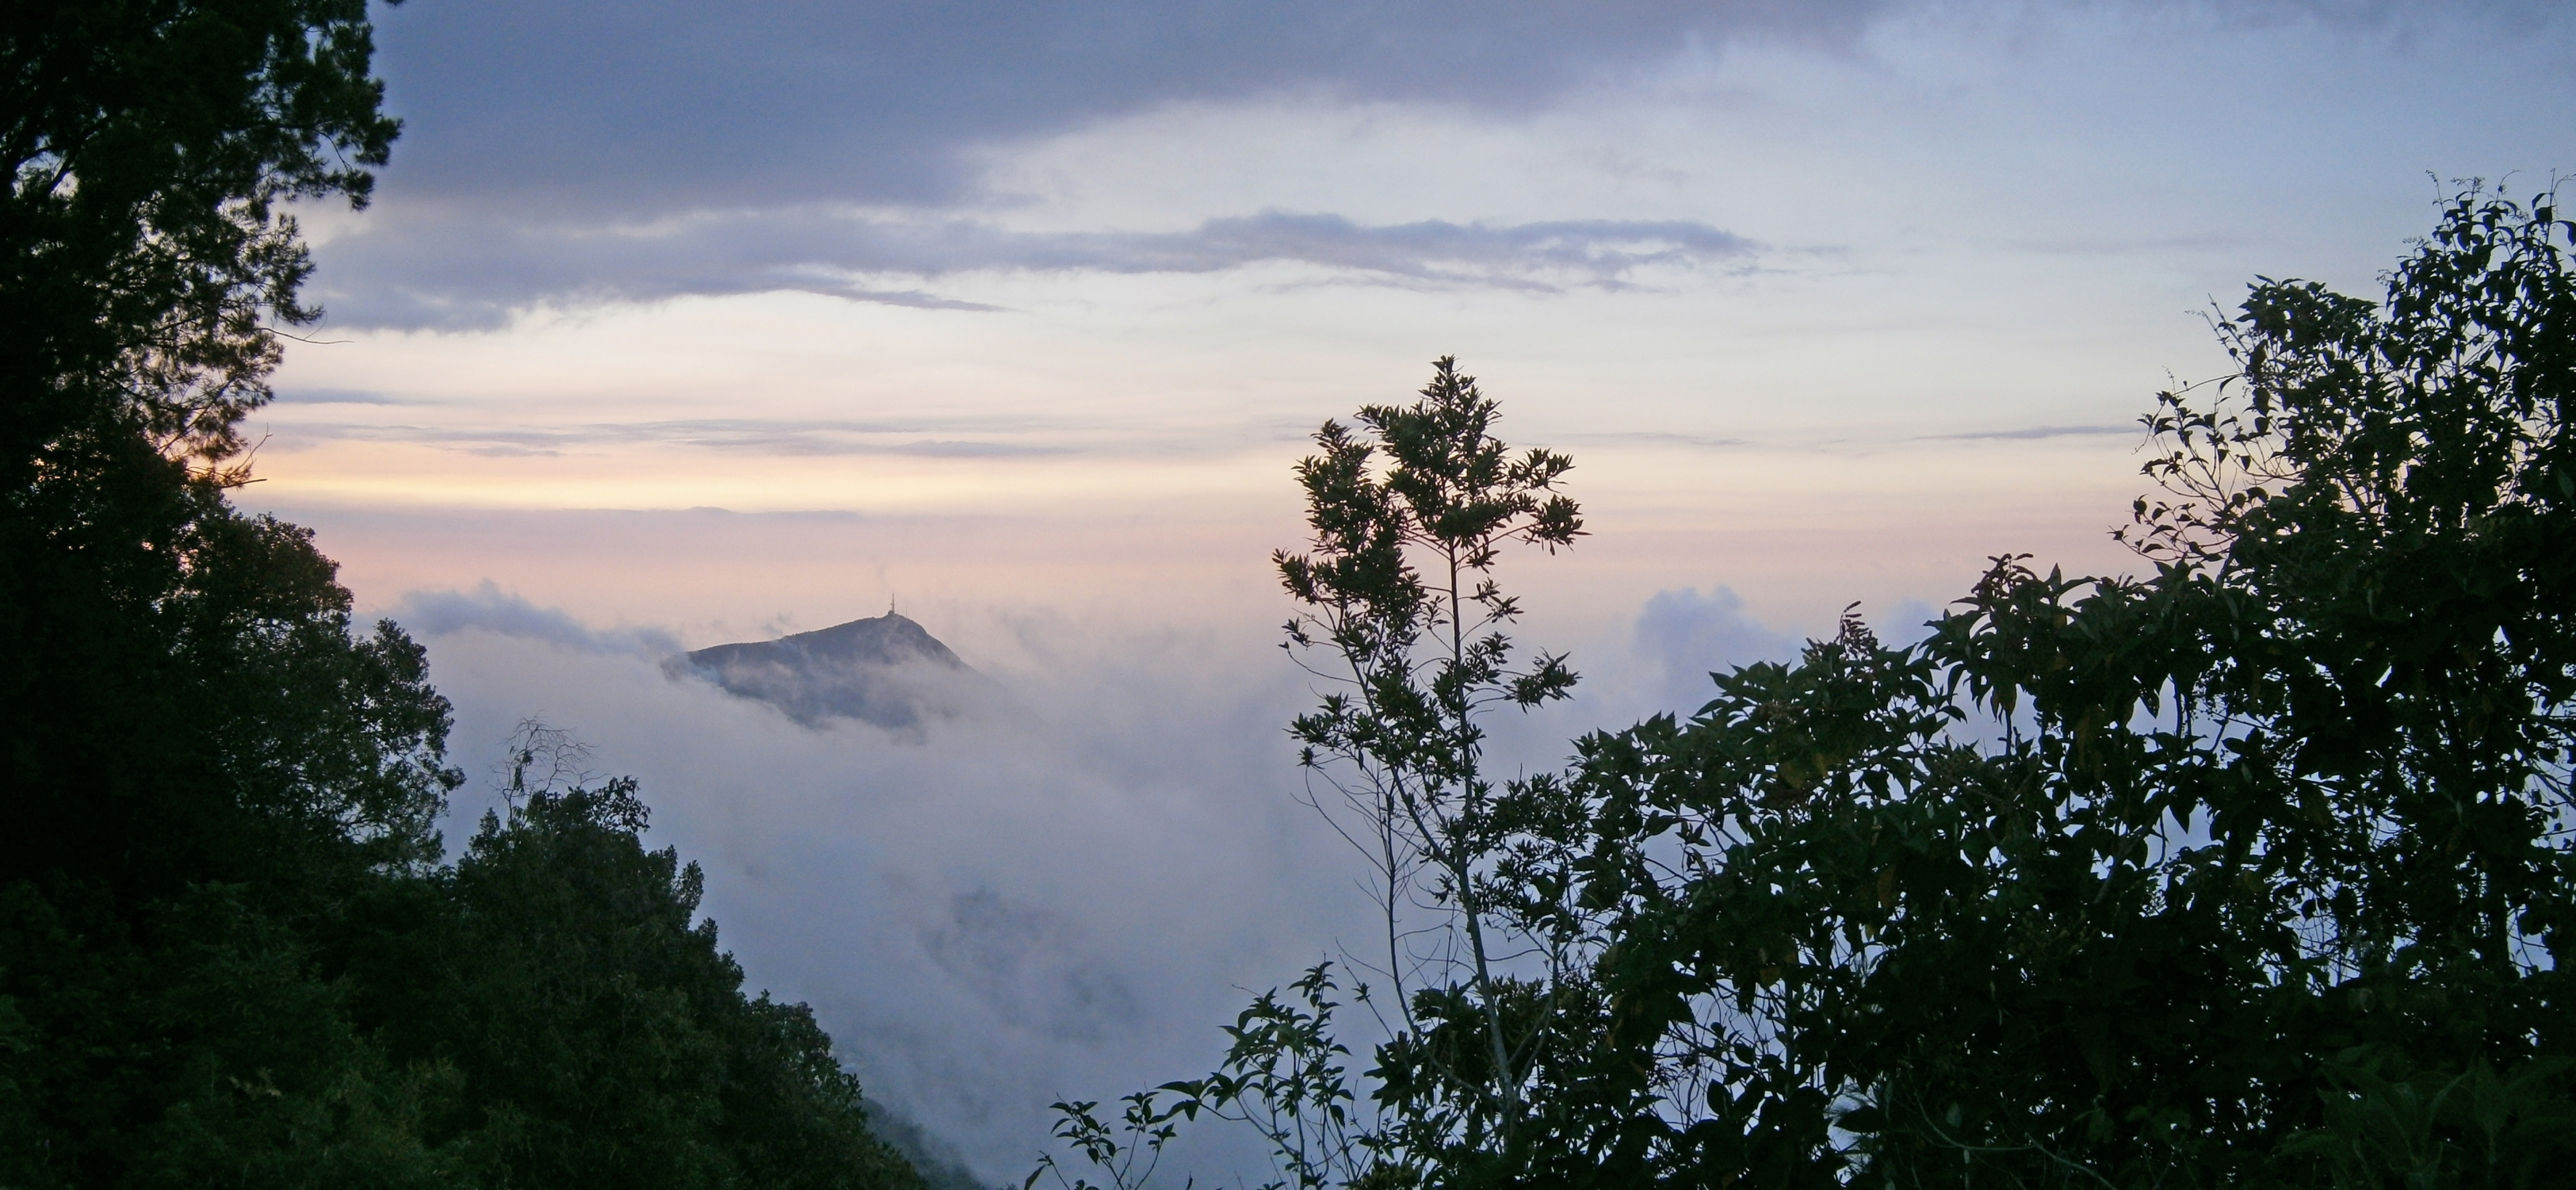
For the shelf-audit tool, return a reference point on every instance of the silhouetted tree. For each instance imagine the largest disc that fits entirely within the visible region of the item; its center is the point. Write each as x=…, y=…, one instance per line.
x=2255, y=871
x=2266, y=879
x=1401, y=618
x=218, y=865
x=150, y=146
x=593, y=1032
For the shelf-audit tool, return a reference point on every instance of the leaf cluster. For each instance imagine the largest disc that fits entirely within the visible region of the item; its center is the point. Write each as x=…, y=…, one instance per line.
x=1423, y=485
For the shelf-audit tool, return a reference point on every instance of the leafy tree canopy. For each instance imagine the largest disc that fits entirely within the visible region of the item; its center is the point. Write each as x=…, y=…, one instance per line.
x=2256, y=870
x=149, y=144
x=2267, y=878
x=229, y=954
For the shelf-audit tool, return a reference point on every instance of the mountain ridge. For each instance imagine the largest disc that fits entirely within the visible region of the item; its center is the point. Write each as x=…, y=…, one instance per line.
x=886, y=670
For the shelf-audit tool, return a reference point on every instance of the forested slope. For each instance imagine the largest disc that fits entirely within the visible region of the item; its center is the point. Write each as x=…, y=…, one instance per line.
x=230, y=953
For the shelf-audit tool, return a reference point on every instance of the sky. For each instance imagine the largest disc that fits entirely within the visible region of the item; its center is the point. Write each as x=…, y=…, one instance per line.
x=680, y=324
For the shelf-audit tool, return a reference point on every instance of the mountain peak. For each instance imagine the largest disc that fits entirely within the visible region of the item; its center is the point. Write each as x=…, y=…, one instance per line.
x=886, y=670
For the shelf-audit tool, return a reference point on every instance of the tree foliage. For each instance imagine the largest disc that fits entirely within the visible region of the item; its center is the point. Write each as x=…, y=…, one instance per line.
x=229, y=954
x=2274, y=844
x=594, y=1033
x=1410, y=516
x=2255, y=870
x=150, y=145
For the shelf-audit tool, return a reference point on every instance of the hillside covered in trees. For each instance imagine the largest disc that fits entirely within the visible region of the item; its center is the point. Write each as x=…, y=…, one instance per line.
x=231, y=953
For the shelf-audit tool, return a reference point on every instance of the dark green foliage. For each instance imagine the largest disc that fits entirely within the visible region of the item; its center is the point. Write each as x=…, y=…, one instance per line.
x=142, y=249
x=547, y=1012
x=2265, y=883
x=596, y=1035
x=1410, y=517
x=180, y=694
x=228, y=956
x=195, y=1042
x=2257, y=871
x=201, y=762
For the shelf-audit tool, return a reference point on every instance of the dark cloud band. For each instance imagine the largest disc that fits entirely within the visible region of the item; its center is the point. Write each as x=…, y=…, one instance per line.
x=571, y=152
x=656, y=105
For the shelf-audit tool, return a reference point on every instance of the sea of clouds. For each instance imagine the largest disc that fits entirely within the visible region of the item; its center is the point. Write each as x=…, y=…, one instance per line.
x=1062, y=901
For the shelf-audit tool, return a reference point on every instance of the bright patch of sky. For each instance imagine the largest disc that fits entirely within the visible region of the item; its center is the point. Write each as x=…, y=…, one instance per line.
x=1848, y=267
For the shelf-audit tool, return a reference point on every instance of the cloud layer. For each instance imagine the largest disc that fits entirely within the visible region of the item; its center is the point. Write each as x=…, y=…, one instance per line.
x=661, y=104
x=989, y=913
x=824, y=437
x=452, y=271
x=647, y=107
x=570, y=154
x=994, y=913
x=488, y=608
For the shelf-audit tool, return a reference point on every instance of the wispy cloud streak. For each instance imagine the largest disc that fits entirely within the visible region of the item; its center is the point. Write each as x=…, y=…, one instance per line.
x=2028, y=433
x=487, y=608
x=745, y=435
x=455, y=273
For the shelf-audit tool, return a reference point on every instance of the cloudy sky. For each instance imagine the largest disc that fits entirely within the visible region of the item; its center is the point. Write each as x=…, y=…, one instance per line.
x=685, y=323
